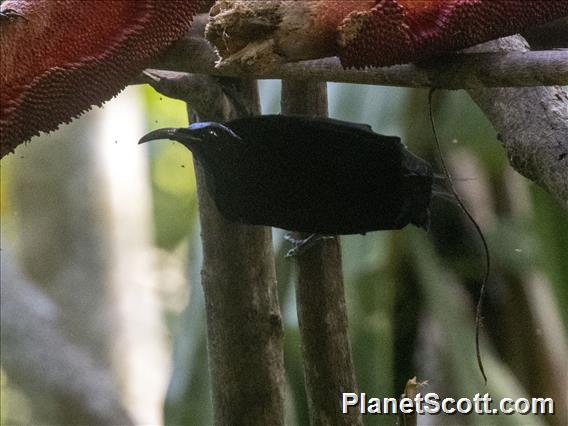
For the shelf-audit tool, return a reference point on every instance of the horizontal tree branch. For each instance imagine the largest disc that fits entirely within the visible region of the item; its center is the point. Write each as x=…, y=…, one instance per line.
x=535, y=138
x=459, y=71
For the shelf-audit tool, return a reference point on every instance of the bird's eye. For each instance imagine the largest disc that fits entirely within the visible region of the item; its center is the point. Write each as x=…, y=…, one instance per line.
x=213, y=133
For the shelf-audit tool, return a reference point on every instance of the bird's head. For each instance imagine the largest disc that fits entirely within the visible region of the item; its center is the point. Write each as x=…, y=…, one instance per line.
x=200, y=138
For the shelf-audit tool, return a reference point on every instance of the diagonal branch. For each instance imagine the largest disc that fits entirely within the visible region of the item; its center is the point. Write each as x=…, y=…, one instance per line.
x=532, y=124
x=44, y=363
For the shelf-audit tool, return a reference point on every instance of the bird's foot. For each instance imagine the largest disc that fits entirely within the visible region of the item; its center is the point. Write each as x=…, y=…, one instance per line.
x=301, y=245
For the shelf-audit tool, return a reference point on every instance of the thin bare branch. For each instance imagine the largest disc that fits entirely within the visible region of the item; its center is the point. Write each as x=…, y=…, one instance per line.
x=320, y=298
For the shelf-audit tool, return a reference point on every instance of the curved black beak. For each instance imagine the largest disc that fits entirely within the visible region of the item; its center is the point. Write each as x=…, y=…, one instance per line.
x=182, y=135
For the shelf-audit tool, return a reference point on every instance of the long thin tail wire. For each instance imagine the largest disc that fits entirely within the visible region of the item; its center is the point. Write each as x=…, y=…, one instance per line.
x=479, y=309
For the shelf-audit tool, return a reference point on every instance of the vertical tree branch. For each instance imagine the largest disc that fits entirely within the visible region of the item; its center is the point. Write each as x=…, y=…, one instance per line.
x=244, y=324
x=322, y=314
x=243, y=317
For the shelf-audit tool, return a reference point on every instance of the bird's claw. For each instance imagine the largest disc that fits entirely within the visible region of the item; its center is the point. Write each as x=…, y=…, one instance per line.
x=301, y=245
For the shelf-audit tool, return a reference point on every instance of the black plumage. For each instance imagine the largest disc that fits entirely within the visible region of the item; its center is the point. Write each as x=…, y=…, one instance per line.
x=313, y=175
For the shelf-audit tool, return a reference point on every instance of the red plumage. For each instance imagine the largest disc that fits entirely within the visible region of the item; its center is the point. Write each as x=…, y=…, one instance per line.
x=61, y=58
x=402, y=31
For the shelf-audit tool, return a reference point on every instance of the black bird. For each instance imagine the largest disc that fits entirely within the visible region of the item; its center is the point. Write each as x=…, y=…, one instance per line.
x=313, y=175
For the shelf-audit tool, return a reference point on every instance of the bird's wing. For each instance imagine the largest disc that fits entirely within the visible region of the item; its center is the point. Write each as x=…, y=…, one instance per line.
x=302, y=132
x=326, y=122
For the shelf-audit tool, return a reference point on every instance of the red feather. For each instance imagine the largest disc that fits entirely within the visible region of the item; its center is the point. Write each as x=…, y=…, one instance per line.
x=61, y=58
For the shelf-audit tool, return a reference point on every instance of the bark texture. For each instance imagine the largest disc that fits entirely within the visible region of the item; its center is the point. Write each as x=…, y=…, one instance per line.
x=457, y=71
x=322, y=314
x=532, y=123
x=244, y=324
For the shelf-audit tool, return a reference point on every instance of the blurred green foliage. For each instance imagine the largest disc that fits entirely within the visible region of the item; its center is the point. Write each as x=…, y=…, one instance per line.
x=173, y=177
x=14, y=406
x=551, y=225
x=411, y=295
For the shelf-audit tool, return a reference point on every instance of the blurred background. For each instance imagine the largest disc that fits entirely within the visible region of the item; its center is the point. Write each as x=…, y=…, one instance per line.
x=102, y=310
